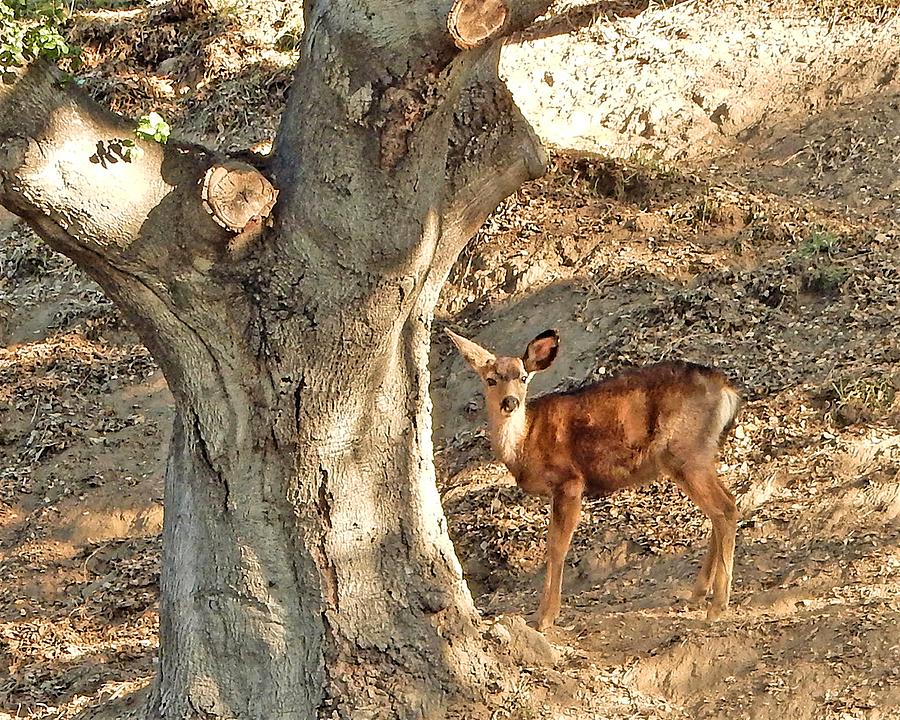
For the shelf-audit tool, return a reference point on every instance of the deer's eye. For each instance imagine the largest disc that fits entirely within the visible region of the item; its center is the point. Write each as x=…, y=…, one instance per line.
x=491, y=382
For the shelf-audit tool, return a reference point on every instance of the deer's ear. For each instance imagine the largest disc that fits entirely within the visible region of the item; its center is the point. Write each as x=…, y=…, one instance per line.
x=474, y=354
x=541, y=352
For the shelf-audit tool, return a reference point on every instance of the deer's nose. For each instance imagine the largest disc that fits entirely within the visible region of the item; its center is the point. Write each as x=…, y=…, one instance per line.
x=509, y=403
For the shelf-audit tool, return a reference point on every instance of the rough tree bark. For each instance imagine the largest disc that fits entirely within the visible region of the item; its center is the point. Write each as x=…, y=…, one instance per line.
x=307, y=571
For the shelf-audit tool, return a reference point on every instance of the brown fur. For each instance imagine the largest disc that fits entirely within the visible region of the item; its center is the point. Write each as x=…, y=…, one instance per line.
x=664, y=419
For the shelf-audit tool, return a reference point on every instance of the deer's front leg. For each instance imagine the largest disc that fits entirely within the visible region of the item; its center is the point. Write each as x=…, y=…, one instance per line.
x=564, y=514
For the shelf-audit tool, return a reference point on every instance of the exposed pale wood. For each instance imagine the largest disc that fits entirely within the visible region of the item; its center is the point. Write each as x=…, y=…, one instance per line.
x=235, y=193
x=473, y=22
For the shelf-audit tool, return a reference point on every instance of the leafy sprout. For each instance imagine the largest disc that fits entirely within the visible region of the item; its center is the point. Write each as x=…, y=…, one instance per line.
x=153, y=127
x=822, y=242
x=30, y=30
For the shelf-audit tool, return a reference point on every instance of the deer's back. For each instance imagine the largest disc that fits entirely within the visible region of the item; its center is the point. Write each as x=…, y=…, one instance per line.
x=622, y=431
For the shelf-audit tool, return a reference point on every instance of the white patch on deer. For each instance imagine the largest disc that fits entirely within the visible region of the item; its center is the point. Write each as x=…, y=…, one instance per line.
x=727, y=410
x=507, y=434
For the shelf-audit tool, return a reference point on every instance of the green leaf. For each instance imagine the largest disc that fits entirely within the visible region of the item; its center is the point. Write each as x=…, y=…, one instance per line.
x=30, y=30
x=153, y=127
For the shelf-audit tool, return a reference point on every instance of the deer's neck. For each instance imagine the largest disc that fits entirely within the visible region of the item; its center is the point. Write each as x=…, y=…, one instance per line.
x=508, y=436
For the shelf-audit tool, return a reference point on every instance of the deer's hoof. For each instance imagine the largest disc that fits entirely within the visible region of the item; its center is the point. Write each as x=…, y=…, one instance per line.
x=544, y=622
x=697, y=598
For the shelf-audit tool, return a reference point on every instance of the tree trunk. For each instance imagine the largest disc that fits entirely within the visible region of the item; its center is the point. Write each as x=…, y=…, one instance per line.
x=307, y=571
x=306, y=563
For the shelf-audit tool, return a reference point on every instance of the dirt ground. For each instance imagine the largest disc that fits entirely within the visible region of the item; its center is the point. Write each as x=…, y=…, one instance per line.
x=729, y=195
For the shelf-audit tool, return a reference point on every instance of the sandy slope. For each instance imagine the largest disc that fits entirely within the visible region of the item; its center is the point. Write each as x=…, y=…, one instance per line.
x=684, y=79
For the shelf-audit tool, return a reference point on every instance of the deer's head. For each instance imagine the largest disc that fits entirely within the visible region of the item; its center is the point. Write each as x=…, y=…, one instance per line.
x=506, y=378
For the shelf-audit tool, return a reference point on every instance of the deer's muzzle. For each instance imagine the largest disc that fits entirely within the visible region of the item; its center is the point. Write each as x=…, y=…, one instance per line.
x=509, y=403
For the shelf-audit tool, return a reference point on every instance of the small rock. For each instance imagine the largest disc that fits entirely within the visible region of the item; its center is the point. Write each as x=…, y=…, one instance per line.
x=527, y=644
x=500, y=633
x=167, y=66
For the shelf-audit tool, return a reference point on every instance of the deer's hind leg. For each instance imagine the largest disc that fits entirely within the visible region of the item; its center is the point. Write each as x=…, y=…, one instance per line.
x=702, y=485
x=728, y=515
x=706, y=576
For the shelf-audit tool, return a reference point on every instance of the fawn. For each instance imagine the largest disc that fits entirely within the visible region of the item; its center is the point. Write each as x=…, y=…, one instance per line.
x=662, y=419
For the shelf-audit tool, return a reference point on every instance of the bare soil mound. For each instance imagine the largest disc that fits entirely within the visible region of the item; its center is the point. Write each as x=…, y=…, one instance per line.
x=684, y=79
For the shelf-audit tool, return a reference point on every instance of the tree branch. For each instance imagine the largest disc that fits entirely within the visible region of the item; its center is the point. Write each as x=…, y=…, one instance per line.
x=66, y=159
x=360, y=93
x=493, y=150
x=137, y=225
x=523, y=13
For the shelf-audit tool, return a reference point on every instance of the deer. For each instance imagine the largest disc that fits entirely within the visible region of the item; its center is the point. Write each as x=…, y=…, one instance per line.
x=662, y=420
